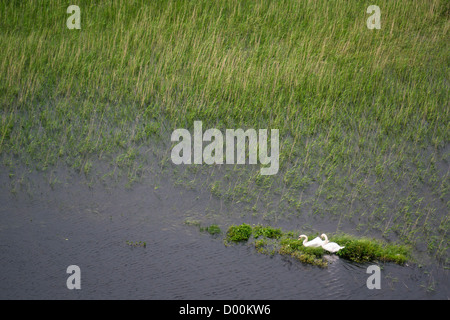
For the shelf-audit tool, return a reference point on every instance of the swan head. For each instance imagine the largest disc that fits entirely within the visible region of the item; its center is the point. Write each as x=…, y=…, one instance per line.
x=323, y=235
x=302, y=236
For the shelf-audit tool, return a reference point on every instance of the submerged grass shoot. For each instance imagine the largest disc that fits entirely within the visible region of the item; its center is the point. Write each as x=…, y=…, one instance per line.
x=213, y=229
x=136, y=243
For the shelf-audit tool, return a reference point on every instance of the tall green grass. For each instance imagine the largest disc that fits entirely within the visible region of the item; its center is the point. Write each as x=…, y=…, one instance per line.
x=301, y=66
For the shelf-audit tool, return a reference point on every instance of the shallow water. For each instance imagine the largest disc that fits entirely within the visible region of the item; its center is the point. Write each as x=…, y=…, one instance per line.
x=44, y=230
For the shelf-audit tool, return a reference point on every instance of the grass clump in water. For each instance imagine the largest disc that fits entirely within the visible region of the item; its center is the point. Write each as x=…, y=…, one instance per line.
x=365, y=250
x=239, y=233
x=213, y=229
x=267, y=231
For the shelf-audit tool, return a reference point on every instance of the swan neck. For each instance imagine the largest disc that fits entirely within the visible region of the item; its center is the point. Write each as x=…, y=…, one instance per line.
x=305, y=240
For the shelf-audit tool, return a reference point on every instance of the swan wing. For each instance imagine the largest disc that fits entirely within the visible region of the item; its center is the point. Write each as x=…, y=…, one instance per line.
x=316, y=242
x=332, y=247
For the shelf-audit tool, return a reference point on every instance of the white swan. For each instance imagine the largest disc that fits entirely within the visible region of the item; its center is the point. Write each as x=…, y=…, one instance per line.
x=316, y=242
x=330, y=246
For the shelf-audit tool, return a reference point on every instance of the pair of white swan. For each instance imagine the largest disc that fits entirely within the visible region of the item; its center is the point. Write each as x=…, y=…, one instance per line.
x=318, y=242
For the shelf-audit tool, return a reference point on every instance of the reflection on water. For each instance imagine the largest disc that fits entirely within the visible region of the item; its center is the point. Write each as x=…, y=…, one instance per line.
x=43, y=233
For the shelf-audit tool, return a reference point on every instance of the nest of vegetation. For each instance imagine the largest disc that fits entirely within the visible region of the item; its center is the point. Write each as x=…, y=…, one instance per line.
x=271, y=241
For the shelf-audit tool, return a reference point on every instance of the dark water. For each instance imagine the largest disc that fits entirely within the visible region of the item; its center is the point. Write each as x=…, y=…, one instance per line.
x=44, y=230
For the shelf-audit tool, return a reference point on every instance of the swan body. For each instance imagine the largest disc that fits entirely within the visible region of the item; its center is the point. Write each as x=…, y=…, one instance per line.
x=316, y=242
x=330, y=246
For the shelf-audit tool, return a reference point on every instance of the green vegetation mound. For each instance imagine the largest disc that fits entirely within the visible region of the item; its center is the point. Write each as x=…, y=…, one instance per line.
x=270, y=240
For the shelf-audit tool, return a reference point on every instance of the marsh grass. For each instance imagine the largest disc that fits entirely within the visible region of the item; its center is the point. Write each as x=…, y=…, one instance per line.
x=363, y=114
